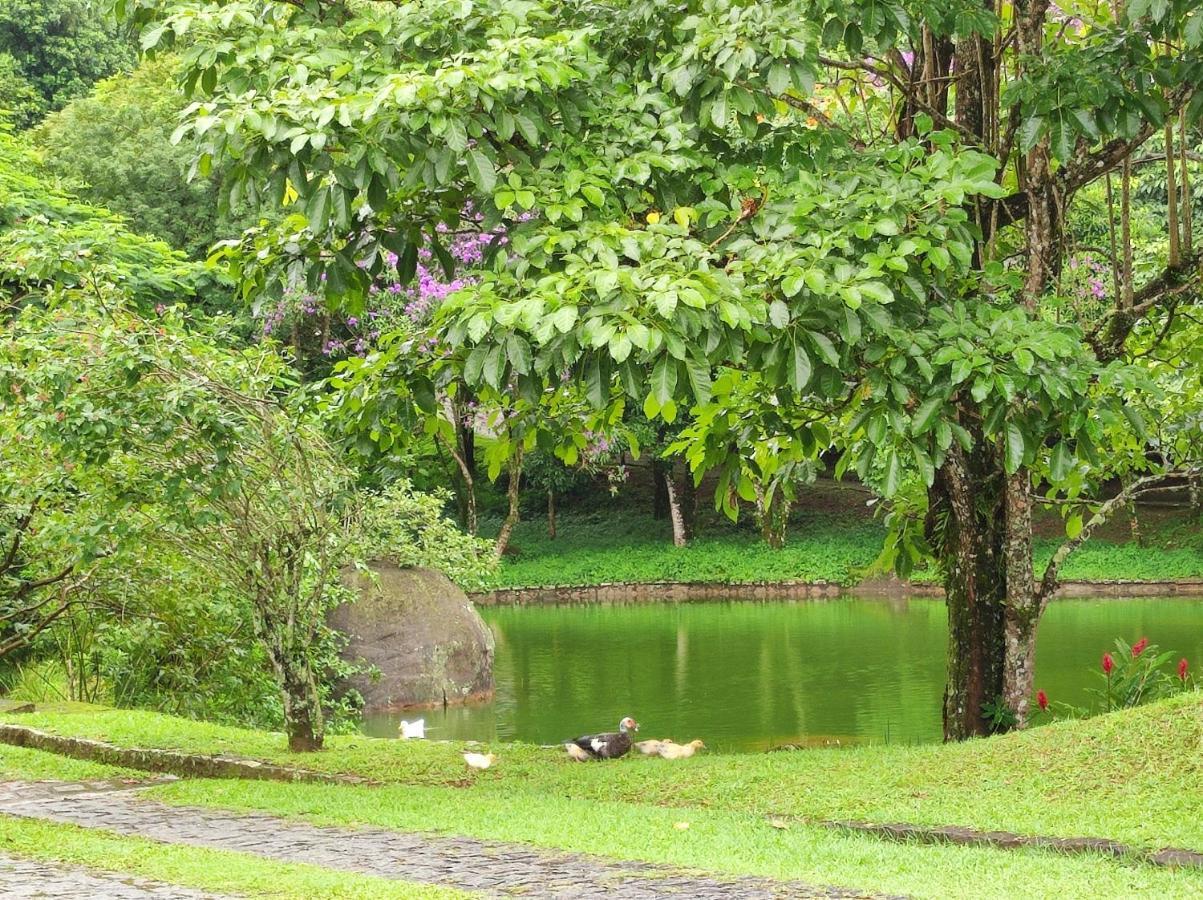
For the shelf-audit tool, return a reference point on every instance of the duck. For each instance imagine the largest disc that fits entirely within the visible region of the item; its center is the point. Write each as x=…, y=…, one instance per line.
x=480, y=760
x=415, y=729
x=610, y=745
x=680, y=751
x=651, y=748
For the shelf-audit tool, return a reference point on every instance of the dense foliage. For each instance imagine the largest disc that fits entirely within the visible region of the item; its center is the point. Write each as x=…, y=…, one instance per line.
x=141, y=175
x=55, y=50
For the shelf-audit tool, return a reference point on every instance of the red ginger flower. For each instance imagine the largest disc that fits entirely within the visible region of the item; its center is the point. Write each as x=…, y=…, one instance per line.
x=1108, y=663
x=1042, y=699
x=1139, y=647
x=1182, y=666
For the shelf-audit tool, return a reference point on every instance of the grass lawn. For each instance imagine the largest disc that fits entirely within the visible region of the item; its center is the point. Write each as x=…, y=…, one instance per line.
x=200, y=868
x=621, y=546
x=1134, y=776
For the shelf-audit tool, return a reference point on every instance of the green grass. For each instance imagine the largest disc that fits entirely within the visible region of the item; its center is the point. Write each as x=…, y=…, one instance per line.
x=196, y=867
x=23, y=764
x=717, y=841
x=1134, y=776
x=618, y=546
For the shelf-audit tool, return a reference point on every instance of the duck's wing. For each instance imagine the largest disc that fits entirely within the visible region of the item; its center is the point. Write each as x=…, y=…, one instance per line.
x=594, y=744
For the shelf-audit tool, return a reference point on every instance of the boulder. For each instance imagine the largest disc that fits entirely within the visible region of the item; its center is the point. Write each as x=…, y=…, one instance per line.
x=420, y=632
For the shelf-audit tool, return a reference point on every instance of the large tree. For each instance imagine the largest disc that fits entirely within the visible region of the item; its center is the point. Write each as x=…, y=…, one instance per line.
x=863, y=204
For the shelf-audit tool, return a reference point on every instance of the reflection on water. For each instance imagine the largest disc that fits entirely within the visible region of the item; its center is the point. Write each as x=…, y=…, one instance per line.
x=750, y=676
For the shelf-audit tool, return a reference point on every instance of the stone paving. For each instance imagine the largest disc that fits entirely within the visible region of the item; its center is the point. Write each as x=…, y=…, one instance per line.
x=24, y=879
x=496, y=869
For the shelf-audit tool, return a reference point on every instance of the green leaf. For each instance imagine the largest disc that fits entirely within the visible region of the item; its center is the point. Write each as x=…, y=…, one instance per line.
x=1073, y=526
x=1025, y=360
x=596, y=390
x=826, y=349
x=926, y=416
x=519, y=353
x=481, y=171
x=893, y=474
x=778, y=314
x=495, y=366
x=664, y=379
x=718, y=112
x=1014, y=449
x=1029, y=132
x=1060, y=462
x=564, y=318
x=779, y=78
x=698, y=371
x=800, y=368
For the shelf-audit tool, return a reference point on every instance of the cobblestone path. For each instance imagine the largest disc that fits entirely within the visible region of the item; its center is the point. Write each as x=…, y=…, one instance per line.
x=494, y=868
x=24, y=879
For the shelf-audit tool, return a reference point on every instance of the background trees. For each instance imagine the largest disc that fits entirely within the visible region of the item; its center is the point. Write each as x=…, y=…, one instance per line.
x=56, y=50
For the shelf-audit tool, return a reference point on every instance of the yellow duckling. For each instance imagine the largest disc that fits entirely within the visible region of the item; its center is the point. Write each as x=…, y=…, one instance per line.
x=577, y=753
x=680, y=751
x=480, y=760
x=651, y=748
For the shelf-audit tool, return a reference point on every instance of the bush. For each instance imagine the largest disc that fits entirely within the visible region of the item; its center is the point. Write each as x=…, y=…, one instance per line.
x=409, y=528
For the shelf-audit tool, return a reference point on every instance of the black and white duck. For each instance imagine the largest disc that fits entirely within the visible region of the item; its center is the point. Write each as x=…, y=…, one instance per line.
x=610, y=745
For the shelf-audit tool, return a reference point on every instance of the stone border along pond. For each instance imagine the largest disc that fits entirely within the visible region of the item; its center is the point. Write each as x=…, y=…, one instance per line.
x=690, y=592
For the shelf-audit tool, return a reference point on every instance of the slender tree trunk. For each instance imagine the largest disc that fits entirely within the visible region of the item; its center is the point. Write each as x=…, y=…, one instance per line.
x=689, y=505
x=463, y=481
x=1134, y=523
x=964, y=516
x=674, y=511
x=1184, y=198
x=1125, y=229
x=512, y=494
x=1171, y=190
x=551, y=514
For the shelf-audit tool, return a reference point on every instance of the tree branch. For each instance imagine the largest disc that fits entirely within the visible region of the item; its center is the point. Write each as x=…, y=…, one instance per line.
x=1108, y=337
x=1050, y=580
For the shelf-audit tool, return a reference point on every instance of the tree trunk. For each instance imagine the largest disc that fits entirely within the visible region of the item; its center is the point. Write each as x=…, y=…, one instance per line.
x=964, y=516
x=674, y=511
x=689, y=505
x=660, y=505
x=512, y=494
x=1134, y=524
x=303, y=721
x=551, y=514
x=1024, y=605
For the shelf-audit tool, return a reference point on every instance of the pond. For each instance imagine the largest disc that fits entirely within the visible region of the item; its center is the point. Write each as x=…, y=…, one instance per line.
x=751, y=676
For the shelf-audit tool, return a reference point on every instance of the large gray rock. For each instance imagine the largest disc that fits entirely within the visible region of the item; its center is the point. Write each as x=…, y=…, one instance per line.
x=423, y=634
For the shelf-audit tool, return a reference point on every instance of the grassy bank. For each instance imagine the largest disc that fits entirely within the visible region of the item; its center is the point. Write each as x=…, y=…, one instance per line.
x=532, y=797
x=620, y=546
x=1134, y=776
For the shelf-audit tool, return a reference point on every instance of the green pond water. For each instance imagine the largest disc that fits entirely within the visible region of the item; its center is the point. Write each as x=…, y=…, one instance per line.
x=750, y=676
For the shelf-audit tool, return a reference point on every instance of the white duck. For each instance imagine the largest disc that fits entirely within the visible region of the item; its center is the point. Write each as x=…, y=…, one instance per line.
x=415, y=729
